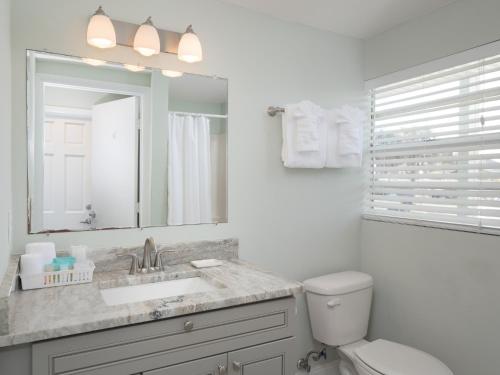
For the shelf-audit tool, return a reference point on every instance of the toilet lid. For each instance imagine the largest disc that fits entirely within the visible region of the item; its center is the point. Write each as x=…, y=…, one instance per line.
x=338, y=283
x=390, y=358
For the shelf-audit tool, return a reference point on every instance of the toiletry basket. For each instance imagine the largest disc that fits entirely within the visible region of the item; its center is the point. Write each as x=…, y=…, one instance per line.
x=59, y=278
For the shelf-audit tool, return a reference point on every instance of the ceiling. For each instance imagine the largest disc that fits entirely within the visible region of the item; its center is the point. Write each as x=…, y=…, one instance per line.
x=355, y=18
x=198, y=89
x=74, y=98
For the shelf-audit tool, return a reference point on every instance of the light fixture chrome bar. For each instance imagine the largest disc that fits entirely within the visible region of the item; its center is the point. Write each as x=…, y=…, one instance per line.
x=273, y=111
x=125, y=32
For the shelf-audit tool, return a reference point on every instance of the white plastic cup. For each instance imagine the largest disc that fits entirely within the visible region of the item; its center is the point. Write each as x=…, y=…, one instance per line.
x=46, y=249
x=79, y=252
x=32, y=264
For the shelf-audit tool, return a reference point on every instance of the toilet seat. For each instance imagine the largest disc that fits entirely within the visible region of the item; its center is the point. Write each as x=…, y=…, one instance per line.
x=389, y=358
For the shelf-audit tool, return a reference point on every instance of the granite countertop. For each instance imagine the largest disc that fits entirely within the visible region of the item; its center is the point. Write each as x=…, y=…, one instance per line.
x=41, y=314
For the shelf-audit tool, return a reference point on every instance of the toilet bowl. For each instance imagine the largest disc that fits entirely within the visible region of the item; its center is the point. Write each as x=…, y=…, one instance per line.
x=382, y=357
x=339, y=307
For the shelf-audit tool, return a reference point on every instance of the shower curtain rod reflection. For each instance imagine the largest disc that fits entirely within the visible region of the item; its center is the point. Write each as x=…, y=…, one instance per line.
x=198, y=114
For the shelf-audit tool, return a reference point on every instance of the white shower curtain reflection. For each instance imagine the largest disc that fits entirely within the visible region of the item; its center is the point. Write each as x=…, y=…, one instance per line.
x=189, y=195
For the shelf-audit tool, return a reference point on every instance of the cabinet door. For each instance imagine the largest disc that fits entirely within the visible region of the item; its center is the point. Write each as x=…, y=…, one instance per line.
x=275, y=358
x=216, y=365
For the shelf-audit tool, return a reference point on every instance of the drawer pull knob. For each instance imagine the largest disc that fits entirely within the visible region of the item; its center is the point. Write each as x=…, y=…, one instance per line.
x=237, y=365
x=222, y=369
x=188, y=326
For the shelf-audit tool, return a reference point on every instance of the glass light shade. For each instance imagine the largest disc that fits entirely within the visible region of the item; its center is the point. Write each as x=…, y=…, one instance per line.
x=147, y=40
x=100, y=31
x=171, y=73
x=134, y=68
x=189, y=49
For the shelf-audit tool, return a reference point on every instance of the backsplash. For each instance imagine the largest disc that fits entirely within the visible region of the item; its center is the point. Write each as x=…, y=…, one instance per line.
x=113, y=259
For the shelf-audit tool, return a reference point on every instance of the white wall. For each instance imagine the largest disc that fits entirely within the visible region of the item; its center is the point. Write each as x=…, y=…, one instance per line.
x=435, y=289
x=5, y=130
x=299, y=223
x=454, y=28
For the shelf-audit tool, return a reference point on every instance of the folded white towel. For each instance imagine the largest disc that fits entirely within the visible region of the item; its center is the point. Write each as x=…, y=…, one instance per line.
x=304, y=144
x=307, y=116
x=350, y=121
x=344, y=137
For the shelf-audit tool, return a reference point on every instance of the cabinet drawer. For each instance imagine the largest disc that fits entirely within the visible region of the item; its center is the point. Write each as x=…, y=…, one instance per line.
x=162, y=343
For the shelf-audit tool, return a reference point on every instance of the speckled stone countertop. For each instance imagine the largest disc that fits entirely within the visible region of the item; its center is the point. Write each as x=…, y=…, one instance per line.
x=40, y=314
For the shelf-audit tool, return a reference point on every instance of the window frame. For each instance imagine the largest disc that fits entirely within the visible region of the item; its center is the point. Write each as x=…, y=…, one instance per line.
x=448, y=62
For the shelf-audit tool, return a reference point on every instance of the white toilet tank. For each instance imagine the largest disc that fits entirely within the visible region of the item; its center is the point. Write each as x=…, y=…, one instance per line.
x=339, y=306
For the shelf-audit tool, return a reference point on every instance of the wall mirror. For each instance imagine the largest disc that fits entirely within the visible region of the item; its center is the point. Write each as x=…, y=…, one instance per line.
x=122, y=146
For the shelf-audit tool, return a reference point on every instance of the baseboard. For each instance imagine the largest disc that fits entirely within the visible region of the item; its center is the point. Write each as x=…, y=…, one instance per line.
x=325, y=368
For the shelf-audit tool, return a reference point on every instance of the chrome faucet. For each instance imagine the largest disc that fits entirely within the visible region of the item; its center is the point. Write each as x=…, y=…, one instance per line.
x=150, y=252
x=149, y=249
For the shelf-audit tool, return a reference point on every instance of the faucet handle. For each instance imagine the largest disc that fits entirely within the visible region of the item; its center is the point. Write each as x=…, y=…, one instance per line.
x=134, y=267
x=158, y=264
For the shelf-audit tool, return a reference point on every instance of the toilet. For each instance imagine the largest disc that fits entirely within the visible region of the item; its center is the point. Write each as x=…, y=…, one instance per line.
x=339, y=308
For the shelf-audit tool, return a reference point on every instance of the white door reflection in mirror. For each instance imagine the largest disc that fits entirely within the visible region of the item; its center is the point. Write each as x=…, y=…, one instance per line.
x=87, y=169
x=66, y=172
x=113, y=166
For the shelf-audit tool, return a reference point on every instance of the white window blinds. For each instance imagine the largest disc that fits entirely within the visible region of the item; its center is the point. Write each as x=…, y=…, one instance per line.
x=434, y=148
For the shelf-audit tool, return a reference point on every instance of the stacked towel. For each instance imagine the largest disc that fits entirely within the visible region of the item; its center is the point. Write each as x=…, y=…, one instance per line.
x=315, y=138
x=304, y=135
x=344, y=137
x=307, y=118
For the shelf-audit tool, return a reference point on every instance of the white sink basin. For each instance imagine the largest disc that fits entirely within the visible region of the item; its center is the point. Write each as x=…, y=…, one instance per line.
x=161, y=289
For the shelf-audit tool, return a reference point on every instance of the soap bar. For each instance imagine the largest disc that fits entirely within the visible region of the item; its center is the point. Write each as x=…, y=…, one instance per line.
x=79, y=252
x=206, y=263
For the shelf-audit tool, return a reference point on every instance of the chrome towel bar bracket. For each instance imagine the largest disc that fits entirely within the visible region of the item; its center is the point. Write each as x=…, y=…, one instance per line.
x=273, y=111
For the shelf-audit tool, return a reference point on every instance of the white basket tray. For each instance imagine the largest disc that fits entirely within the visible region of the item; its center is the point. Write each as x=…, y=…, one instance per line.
x=58, y=278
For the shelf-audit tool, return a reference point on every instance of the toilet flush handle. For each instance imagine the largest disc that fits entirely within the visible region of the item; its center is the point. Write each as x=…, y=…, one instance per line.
x=333, y=303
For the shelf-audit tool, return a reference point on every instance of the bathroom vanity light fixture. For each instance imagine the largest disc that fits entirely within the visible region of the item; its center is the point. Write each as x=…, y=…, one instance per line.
x=171, y=73
x=147, y=40
x=100, y=30
x=189, y=49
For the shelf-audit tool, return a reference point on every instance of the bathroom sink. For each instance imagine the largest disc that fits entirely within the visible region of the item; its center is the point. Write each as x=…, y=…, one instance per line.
x=156, y=290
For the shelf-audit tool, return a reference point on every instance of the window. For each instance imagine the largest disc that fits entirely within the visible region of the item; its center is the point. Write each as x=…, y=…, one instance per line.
x=434, y=149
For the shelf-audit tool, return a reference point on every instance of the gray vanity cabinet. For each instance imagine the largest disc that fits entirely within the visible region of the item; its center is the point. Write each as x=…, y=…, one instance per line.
x=274, y=358
x=258, y=337
x=215, y=365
